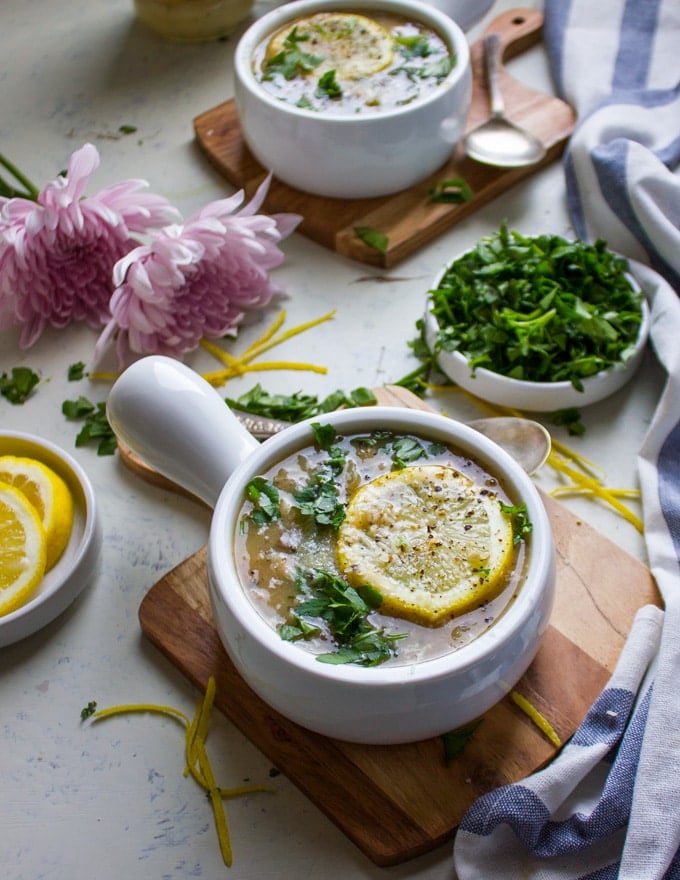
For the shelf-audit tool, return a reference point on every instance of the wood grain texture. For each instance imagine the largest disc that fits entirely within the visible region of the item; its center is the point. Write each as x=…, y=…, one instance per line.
x=409, y=218
x=397, y=802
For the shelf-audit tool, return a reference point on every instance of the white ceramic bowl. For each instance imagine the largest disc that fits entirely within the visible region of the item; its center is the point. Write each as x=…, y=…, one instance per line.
x=357, y=156
x=535, y=396
x=181, y=426
x=75, y=569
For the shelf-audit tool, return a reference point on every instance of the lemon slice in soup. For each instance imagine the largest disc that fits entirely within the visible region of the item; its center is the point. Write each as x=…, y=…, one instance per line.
x=427, y=537
x=352, y=45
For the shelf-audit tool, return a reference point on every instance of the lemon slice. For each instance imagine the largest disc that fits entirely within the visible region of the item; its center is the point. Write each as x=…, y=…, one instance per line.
x=49, y=495
x=22, y=549
x=352, y=45
x=427, y=537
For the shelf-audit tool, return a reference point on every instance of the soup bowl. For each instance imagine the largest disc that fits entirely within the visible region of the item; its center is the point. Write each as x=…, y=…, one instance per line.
x=360, y=154
x=180, y=425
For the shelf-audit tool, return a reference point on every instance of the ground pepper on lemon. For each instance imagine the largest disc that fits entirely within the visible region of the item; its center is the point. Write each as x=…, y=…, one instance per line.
x=431, y=541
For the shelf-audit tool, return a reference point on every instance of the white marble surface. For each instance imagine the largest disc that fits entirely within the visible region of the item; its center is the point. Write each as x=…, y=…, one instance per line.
x=110, y=801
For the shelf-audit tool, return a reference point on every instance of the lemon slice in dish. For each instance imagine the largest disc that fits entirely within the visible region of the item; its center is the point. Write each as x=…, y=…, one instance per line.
x=50, y=496
x=427, y=537
x=352, y=45
x=22, y=549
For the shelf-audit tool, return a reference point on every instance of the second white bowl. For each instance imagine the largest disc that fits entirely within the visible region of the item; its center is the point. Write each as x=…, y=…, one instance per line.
x=357, y=156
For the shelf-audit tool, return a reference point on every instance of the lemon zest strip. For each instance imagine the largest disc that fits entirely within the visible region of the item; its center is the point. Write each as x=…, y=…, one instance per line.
x=597, y=489
x=197, y=761
x=538, y=719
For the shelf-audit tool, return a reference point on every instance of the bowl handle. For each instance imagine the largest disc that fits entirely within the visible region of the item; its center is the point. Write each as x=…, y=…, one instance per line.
x=178, y=424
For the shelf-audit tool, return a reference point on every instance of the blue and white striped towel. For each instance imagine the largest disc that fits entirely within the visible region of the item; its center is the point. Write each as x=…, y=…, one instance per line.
x=609, y=805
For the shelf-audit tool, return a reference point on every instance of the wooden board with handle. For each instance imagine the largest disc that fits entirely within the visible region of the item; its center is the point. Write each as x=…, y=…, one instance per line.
x=409, y=218
x=397, y=802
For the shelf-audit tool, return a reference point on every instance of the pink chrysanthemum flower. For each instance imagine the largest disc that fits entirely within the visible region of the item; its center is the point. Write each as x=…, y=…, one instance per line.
x=197, y=280
x=57, y=253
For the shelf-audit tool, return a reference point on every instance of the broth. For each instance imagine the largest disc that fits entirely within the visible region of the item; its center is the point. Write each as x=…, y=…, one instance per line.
x=269, y=554
x=348, y=63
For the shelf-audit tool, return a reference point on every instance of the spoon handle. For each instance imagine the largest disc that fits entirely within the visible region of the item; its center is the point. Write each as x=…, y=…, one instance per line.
x=492, y=56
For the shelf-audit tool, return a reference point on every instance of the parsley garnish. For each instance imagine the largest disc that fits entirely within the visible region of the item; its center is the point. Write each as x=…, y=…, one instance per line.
x=17, y=386
x=344, y=610
x=454, y=191
x=76, y=371
x=88, y=711
x=541, y=309
x=328, y=86
x=417, y=46
x=455, y=741
x=292, y=60
x=265, y=499
x=373, y=238
x=521, y=524
x=96, y=428
x=296, y=407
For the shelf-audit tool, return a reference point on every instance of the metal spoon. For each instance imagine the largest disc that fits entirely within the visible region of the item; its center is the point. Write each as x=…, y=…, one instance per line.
x=498, y=141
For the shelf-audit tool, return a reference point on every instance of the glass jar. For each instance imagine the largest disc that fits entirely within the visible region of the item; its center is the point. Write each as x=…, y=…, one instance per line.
x=192, y=20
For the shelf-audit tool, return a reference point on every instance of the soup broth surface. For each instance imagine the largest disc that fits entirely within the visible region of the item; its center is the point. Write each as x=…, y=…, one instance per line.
x=269, y=555
x=348, y=63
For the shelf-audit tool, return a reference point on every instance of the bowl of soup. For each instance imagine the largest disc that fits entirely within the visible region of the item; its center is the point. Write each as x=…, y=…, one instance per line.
x=377, y=575
x=352, y=98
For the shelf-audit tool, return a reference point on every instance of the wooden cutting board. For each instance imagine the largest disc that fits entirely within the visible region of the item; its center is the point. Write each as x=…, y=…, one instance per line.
x=397, y=802
x=410, y=218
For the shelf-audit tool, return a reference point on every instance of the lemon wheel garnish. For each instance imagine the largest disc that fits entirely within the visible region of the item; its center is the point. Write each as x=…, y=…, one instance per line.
x=352, y=45
x=22, y=549
x=50, y=496
x=427, y=537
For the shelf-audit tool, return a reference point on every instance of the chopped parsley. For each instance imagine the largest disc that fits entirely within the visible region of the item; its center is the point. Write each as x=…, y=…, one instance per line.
x=292, y=60
x=521, y=524
x=96, y=428
x=18, y=384
x=344, y=611
x=538, y=308
x=296, y=407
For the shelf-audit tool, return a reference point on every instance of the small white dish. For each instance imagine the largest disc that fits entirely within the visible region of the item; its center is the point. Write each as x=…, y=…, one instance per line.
x=535, y=396
x=74, y=570
x=360, y=155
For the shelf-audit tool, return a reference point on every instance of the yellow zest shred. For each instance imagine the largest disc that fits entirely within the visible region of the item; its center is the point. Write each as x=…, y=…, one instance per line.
x=198, y=764
x=582, y=472
x=237, y=366
x=596, y=488
x=539, y=720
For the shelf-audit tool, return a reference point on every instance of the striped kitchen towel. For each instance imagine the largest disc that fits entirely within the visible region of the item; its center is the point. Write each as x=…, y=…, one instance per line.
x=609, y=805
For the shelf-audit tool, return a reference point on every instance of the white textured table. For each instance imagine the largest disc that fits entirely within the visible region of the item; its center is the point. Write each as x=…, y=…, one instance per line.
x=110, y=801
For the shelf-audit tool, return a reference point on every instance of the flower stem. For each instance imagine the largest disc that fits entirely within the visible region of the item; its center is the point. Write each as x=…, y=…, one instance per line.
x=30, y=190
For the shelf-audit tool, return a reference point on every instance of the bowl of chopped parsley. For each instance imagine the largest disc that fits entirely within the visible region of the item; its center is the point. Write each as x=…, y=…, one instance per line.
x=537, y=322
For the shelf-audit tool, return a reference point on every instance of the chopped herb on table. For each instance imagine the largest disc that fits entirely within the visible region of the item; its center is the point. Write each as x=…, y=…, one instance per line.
x=96, y=428
x=538, y=308
x=18, y=384
x=373, y=238
x=296, y=407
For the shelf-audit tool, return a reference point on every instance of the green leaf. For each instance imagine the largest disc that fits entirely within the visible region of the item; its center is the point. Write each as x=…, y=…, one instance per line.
x=265, y=499
x=373, y=238
x=18, y=385
x=521, y=524
x=455, y=191
x=328, y=86
x=96, y=428
x=455, y=741
x=345, y=611
x=292, y=61
x=76, y=371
